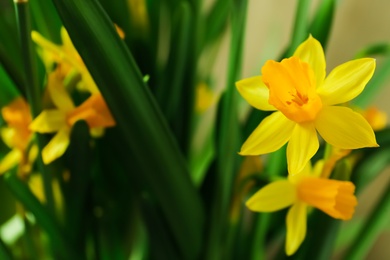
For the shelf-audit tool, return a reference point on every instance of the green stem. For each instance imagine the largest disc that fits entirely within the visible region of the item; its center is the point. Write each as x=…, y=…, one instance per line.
x=258, y=246
x=228, y=137
x=300, y=26
x=322, y=22
x=32, y=89
x=375, y=223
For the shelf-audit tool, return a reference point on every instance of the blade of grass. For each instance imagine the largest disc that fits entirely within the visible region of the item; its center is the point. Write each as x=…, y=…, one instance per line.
x=322, y=22
x=227, y=137
x=215, y=22
x=8, y=90
x=170, y=93
x=75, y=190
x=46, y=19
x=143, y=130
x=375, y=49
x=300, y=30
x=10, y=56
x=32, y=88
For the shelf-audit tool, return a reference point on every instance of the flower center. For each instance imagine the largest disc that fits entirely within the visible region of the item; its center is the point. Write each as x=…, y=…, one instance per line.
x=292, y=89
x=331, y=196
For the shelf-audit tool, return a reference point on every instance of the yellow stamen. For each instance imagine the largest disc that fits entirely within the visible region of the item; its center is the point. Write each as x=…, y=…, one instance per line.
x=331, y=196
x=292, y=89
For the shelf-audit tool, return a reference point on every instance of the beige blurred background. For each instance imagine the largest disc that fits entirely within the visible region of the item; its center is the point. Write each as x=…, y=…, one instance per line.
x=357, y=23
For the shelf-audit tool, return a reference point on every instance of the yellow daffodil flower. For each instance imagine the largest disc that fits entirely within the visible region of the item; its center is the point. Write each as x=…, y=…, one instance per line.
x=304, y=189
x=66, y=57
x=93, y=110
x=205, y=98
x=305, y=101
x=376, y=118
x=17, y=136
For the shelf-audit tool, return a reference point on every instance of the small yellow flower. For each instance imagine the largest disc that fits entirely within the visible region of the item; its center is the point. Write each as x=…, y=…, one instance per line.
x=304, y=189
x=205, y=98
x=65, y=57
x=17, y=136
x=139, y=15
x=93, y=110
x=376, y=118
x=306, y=103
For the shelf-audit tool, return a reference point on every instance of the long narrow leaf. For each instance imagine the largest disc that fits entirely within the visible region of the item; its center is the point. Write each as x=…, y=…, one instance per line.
x=143, y=129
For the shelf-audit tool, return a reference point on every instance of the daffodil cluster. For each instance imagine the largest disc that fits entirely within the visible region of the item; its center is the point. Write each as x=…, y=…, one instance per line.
x=64, y=68
x=306, y=101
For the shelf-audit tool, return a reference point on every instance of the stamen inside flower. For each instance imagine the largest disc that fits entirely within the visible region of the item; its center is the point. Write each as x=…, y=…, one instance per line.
x=331, y=196
x=292, y=89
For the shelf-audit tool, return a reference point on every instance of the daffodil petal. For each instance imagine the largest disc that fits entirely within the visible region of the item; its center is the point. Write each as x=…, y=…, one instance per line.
x=58, y=94
x=344, y=128
x=49, y=121
x=311, y=51
x=275, y=196
x=255, y=92
x=301, y=148
x=10, y=160
x=56, y=147
x=67, y=43
x=272, y=133
x=45, y=44
x=296, y=227
x=346, y=81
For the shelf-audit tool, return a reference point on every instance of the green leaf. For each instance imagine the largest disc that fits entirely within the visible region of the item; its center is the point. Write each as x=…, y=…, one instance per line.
x=10, y=54
x=375, y=49
x=227, y=138
x=78, y=157
x=322, y=23
x=8, y=90
x=143, y=130
x=46, y=19
x=216, y=21
x=32, y=89
x=171, y=93
x=300, y=30
x=58, y=238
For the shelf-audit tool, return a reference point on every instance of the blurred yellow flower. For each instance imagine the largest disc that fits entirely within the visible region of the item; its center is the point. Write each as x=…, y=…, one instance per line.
x=139, y=15
x=65, y=57
x=376, y=118
x=17, y=136
x=304, y=189
x=93, y=110
x=205, y=98
x=305, y=101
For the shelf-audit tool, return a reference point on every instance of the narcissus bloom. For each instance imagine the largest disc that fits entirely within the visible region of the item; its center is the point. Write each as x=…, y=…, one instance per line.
x=17, y=136
x=65, y=57
x=299, y=191
x=60, y=121
x=305, y=102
